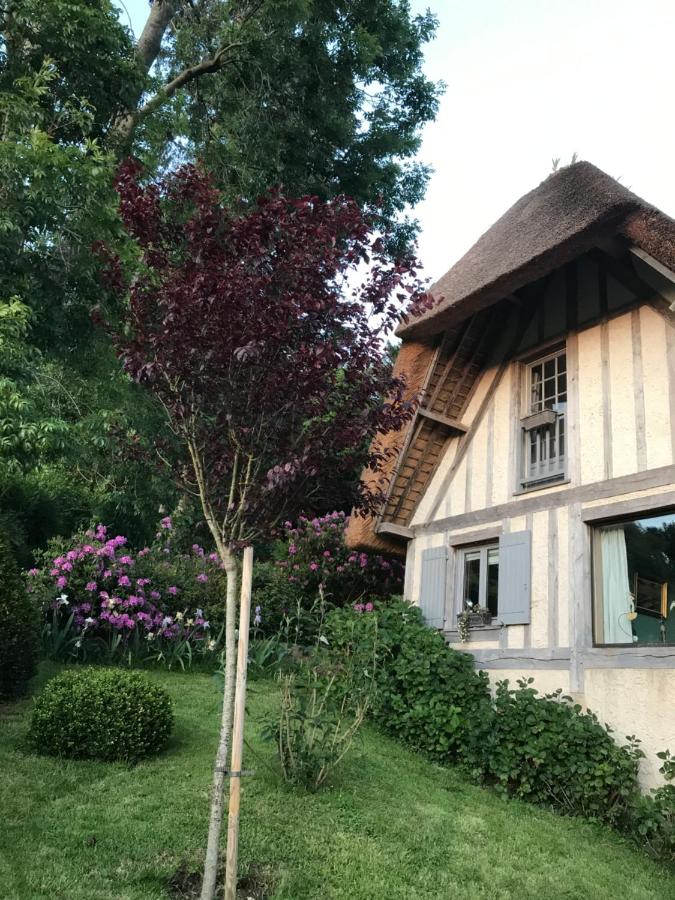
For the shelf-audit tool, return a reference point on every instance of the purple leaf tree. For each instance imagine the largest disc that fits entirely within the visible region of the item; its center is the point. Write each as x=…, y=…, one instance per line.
x=246, y=326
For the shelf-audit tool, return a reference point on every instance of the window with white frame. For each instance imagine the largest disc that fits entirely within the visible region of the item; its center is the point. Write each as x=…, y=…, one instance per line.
x=480, y=577
x=545, y=420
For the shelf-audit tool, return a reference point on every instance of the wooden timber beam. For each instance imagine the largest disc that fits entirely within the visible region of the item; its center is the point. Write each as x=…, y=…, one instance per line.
x=393, y=530
x=453, y=424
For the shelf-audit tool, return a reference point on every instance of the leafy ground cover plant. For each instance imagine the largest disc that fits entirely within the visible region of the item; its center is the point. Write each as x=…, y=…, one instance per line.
x=106, y=714
x=18, y=628
x=104, y=601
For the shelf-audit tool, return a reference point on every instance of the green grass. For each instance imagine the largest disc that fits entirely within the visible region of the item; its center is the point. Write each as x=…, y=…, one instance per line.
x=392, y=826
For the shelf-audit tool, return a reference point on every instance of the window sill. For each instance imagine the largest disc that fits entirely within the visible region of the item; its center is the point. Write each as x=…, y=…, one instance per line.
x=540, y=485
x=476, y=633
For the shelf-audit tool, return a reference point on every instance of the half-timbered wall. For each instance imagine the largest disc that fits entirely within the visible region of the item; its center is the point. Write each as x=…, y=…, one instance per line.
x=620, y=348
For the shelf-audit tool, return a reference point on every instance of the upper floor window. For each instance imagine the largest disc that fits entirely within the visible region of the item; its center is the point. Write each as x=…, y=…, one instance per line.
x=544, y=424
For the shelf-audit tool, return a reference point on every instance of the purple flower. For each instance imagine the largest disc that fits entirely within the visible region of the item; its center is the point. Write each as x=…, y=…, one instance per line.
x=292, y=549
x=173, y=590
x=107, y=573
x=166, y=523
x=326, y=553
x=126, y=561
x=155, y=595
x=62, y=581
x=202, y=577
x=91, y=586
x=67, y=567
x=124, y=581
x=369, y=607
x=33, y=572
x=313, y=566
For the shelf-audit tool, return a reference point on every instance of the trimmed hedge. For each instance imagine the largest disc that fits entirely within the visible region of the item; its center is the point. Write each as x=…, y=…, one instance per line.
x=106, y=714
x=18, y=628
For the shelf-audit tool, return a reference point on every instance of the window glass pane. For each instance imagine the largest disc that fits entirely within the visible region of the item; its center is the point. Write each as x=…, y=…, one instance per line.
x=562, y=384
x=549, y=368
x=492, y=580
x=471, y=579
x=635, y=580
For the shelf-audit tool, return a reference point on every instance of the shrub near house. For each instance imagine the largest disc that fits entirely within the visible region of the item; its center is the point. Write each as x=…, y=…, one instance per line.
x=543, y=749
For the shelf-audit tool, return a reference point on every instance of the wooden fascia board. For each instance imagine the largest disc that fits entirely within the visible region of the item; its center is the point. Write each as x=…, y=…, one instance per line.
x=654, y=274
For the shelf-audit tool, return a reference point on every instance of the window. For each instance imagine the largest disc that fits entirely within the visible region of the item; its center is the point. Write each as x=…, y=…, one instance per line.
x=480, y=577
x=634, y=582
x=544, y=424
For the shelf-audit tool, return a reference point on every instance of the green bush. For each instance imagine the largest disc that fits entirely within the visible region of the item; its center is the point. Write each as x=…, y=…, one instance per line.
x=106, y=714
x=651, y=819
x=18, y=628
x=427, y=695
x=544, y=749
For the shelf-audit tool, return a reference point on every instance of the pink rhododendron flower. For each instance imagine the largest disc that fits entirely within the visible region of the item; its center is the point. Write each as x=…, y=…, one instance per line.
x=166, y=523
x=90, y=586
x=202, y=577
x=62, y=581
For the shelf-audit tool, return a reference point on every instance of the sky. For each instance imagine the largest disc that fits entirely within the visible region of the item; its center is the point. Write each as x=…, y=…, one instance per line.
x=528, y=81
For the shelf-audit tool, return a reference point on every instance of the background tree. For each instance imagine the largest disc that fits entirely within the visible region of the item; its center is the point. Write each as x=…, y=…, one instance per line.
x=243, y=327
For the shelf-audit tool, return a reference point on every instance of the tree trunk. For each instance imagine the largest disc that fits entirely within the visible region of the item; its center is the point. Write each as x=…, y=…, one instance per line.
x=147, y=50
x=216, y=816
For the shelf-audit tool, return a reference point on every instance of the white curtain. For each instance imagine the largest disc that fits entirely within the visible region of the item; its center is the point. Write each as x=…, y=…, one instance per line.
x=616, y=596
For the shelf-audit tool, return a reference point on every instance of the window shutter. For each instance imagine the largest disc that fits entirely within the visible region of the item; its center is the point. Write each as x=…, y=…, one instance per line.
x=432, y=588
x=513, y=602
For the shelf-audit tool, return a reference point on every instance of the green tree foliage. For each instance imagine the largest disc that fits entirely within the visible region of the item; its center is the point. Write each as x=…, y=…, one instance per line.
x=18, y=628
x=318, y=96
x=321, y=96
x=65, y=407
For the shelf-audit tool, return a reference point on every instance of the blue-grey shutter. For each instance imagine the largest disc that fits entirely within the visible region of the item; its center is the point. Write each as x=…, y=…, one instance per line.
x=432, y=586
x=513, y=597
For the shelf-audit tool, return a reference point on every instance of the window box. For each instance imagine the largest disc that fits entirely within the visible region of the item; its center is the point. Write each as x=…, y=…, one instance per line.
x=541, y=419
x=477, y=619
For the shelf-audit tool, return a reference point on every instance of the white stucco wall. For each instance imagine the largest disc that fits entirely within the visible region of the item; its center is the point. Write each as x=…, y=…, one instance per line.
x=619, y=425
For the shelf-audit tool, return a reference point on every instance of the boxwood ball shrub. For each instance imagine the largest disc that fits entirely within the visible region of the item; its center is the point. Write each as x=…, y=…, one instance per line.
x=106, y=714
x=18, y=628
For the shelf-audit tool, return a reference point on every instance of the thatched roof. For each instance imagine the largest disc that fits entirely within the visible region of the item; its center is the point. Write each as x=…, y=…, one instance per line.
x=571, y=212
x=566, y=215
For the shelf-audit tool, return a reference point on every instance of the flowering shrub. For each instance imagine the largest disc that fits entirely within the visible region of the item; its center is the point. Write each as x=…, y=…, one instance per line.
x=103, y=600
x=315, y=555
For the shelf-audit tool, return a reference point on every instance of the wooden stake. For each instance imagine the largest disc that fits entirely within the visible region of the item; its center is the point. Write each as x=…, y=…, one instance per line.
x=238, y=729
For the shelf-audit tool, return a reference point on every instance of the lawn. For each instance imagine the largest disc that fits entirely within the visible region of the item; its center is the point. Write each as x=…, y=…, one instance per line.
x=392, y=825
